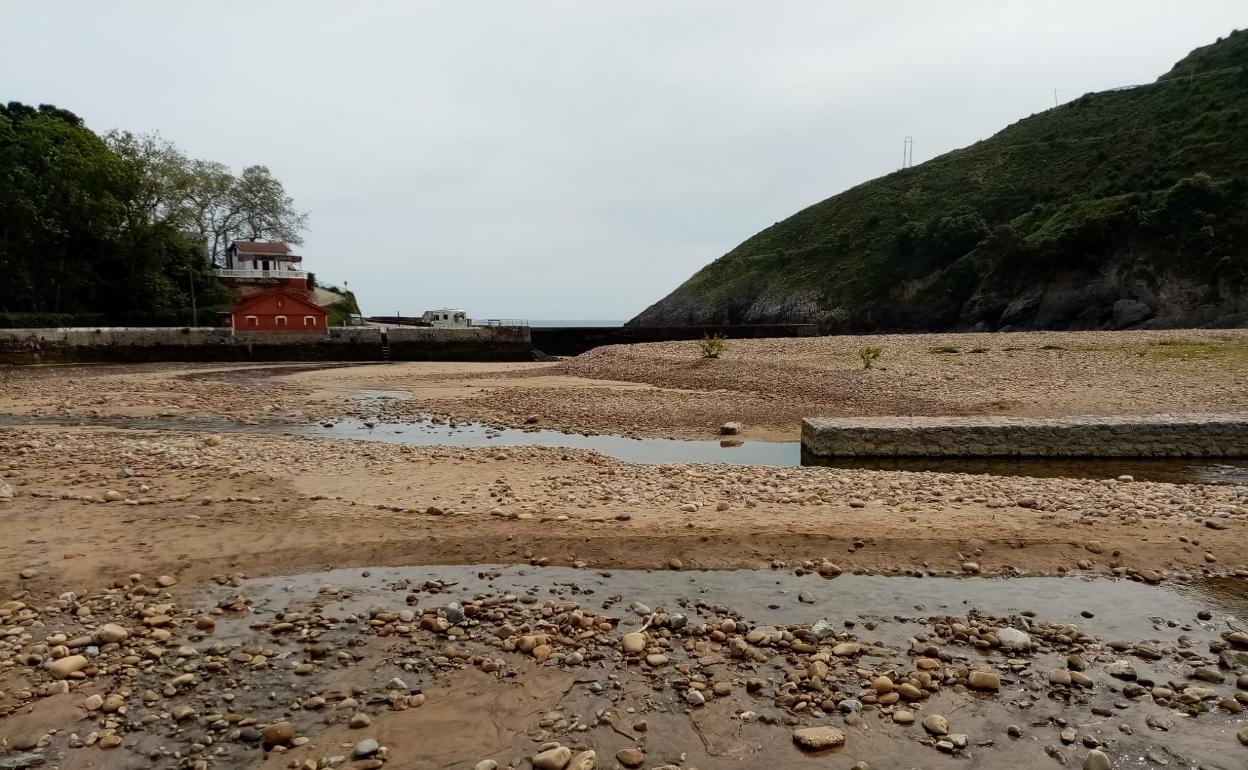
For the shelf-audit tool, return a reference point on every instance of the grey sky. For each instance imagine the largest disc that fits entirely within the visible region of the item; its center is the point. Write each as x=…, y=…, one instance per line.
x=570, y=159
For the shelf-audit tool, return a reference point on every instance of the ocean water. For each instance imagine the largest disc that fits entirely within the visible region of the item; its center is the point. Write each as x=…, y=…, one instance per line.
x=573, y=322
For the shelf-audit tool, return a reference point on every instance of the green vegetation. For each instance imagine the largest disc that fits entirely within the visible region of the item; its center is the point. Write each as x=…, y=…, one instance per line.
x=337, y=312
x=119, y=229
x=1233, y=351
x=869, y=356
x=713, y=346
x=1111, y=197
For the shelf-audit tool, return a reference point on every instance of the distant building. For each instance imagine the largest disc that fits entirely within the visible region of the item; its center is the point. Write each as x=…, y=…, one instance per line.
x=277, y=310
x=446, y=319
x=262, y=263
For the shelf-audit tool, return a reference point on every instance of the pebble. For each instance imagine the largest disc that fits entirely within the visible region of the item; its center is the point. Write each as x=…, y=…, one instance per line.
x=936, y=725
x=628, y=757
x=633, y=642
x=278, y=734
x=1013, y=639
x=360, y=720
x=70, y=664
x=366, y=748
x=1097, y=760
x=818, y=738
x=110, y=633
x=586, y=760
x=984, y=680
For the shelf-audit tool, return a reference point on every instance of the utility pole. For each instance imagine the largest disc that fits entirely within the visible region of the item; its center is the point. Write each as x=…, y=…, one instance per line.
x=907, y=152
x=190, y=271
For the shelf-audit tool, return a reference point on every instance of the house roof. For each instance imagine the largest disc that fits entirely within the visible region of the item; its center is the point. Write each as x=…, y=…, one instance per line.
x=267, y=248
x=255, y=299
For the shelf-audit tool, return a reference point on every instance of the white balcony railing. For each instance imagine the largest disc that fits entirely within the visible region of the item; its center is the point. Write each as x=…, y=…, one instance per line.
x=252, y=274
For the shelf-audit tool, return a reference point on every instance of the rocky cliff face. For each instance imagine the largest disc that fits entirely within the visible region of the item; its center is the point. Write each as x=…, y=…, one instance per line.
x=1120, y=296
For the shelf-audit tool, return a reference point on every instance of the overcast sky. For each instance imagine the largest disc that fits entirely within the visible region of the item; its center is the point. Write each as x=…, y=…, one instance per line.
x=570, y=160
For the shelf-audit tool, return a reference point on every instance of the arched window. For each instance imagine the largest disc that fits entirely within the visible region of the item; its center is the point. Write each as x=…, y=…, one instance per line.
x=251, y=320
x=279, y=320
x=309, y=320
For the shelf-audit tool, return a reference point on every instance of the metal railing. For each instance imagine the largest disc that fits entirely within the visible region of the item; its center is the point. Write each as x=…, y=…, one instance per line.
x=292, y=274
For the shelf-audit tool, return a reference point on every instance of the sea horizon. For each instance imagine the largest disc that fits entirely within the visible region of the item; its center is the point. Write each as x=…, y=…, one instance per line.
x=563, y=323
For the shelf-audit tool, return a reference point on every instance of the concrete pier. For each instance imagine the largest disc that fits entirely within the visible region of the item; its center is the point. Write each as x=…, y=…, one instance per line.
x=1166, y=435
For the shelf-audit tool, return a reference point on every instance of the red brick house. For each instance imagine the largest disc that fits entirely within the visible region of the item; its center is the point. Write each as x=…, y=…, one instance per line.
x=277, y=310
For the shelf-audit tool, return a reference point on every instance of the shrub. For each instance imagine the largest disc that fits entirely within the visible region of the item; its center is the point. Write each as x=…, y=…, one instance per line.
x=869, y=356
x=713, y=345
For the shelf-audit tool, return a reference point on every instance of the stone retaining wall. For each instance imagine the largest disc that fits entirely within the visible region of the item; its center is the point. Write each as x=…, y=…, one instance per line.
x=139, y=345
x=1183, y=435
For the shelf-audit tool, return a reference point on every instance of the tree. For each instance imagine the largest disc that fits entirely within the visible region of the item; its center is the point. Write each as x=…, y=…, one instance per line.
x=203, y=197
x=120, y=225
x=159, y=175
x=266, y=211
x=213, y=211
x=61, y=203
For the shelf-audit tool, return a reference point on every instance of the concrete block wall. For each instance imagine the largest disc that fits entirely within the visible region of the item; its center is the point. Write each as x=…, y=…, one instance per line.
x=1183, y=435
x=137, y=345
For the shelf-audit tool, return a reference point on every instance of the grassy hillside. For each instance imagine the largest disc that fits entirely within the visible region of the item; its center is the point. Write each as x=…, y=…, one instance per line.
x=1120, y=208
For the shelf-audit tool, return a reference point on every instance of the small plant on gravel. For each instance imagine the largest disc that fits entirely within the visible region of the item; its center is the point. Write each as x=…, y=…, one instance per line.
x=713, y=345
x=869, y=356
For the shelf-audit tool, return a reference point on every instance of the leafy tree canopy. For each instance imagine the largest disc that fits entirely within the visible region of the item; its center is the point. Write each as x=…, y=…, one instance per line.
x=120, y=227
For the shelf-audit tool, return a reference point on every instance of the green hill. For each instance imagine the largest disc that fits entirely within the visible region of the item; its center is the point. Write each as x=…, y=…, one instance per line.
x=1121, y=208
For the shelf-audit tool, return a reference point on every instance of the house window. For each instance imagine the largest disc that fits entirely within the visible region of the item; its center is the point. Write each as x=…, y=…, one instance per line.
x=309, y=320
x=279, y=320
x=251, y=320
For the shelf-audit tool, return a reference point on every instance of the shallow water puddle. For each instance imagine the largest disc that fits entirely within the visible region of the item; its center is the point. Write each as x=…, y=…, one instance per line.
x=1119, y=608
x=743, y=730
x=657, y=451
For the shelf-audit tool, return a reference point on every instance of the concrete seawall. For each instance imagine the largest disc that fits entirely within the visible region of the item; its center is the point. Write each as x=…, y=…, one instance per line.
x=139, y=345
x=1184, y=435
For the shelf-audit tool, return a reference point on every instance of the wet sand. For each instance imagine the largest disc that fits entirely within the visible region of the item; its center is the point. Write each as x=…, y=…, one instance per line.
x=228, y=517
